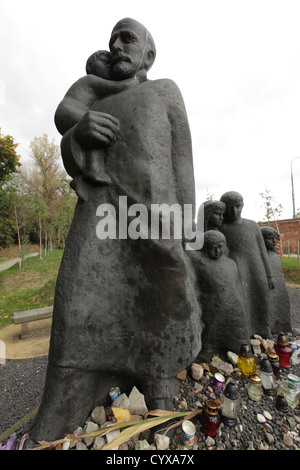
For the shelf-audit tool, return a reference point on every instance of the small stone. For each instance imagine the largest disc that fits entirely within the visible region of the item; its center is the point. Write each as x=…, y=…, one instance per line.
x=137, y=405
x=288, y=440
x=77, y=432
x=99, y=442
x=209, y=441
x=98, y=415
x=267, y=415
x=250, y=445
x=260, y=418
x=144, y=445
x=263, y=446
x=233, y=357
x=66, y=445
x=122, y=401
x=162, y=441
x=90, y=427
x=182, y=375
x=197, y=371
x=221, y=366
x=110, y=436
x=81, y=446
x=183, y=405
x=269, y=438
x=255, y=343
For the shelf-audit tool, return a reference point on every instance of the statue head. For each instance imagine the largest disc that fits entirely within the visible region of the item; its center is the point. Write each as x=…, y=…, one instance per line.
x=213, y=214
x=131, y=49
x=234, y=205
x=214, y=244
x=270, y=237
x=98, y=64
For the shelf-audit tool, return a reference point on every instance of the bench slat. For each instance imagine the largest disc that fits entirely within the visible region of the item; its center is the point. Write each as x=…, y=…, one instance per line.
x=32, y=315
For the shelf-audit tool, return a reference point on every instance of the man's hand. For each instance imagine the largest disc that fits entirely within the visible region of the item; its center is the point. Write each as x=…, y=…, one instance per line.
x=96, y=129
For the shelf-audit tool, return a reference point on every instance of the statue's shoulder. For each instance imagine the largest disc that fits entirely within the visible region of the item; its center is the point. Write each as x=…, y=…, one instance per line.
x=165, y=84
x=167, y=88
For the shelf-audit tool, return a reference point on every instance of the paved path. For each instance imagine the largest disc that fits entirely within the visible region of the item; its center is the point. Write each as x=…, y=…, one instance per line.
x=11, y=262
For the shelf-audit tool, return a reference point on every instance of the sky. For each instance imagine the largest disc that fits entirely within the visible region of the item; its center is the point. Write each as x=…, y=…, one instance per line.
x=236, y=63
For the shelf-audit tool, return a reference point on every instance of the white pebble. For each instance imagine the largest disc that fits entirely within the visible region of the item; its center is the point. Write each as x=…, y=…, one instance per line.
x=260, y=418
x=267, y=415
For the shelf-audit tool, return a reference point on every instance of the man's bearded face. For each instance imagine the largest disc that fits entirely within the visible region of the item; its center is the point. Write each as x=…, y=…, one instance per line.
x=128, y=50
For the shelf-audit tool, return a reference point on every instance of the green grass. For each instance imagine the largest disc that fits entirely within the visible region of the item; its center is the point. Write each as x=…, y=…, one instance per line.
x=32, y=288
x=291, y=269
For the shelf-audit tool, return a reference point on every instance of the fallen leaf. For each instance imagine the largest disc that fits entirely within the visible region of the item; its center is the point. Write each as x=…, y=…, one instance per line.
x=121, y=414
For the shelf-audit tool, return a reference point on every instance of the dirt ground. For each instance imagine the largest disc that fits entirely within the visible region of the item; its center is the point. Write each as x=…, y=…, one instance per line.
x=36, y=345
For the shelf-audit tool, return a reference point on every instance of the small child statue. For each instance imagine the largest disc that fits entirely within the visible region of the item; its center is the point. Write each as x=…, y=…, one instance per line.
x=221, y=298
x=280, y=315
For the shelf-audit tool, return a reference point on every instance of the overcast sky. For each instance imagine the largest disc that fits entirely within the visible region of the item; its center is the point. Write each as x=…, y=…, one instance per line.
x=236, y=62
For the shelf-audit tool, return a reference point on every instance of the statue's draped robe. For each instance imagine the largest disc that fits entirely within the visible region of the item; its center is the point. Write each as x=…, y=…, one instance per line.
x=121, y=304
x=280, y=314
x=247, y=248
x=223, y=311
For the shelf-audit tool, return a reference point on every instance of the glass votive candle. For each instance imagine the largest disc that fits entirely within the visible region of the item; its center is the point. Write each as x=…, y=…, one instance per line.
x=210, y=417
x=254, y=387
x=246, y=361
x=283, y=350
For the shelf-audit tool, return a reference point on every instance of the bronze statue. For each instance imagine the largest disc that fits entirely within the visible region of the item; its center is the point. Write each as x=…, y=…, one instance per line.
x=125, y=310
x=247, y=248
x=280, y=315
x=221, y=297
x=213, y=214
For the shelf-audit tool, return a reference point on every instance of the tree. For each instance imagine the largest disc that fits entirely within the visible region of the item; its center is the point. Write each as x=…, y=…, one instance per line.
x=272, y=211
x=9, y=160
x=66, y=212
x=9, y=163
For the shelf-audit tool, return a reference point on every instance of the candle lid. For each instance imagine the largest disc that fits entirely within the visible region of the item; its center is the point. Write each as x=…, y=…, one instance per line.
x=245, y=350
x=212, y=407
x=272, y=356
x=281, y=403
x=255, y=379
x=265, y=365
x=294, y=379
x=231, y=391
x=282, y=339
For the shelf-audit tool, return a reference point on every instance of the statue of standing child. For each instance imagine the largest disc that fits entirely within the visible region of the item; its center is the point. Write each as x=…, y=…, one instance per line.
x=280, y=314
x=221, y=297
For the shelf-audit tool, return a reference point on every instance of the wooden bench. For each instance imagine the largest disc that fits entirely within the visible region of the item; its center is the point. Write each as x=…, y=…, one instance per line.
x=23, y=318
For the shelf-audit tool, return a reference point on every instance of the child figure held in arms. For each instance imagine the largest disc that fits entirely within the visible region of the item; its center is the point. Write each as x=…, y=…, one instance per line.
x=79, y=99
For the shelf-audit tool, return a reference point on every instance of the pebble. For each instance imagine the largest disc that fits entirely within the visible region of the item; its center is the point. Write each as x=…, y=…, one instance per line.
x=197, y=371
x=260, y=418
x=98, y=415
x=288, y=440
x=209, y=442
x=267, y=415
x=269, y=438
x=90, y=427
x=162, y=441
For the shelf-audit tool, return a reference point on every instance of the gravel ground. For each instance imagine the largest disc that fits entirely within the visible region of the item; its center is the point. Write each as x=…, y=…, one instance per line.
x=22, y=382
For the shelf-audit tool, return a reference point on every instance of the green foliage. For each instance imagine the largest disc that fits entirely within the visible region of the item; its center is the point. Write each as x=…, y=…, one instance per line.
x=291, y=269
x=9, y=160
x=36, y=202
x=31, y=289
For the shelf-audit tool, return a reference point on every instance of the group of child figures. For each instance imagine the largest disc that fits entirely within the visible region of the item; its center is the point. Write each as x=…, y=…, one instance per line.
x=239, y=274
